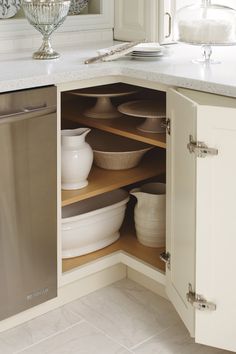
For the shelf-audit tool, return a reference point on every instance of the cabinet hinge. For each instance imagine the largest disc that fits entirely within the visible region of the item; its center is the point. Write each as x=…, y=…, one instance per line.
x=166, y=124
x=200, y=149
x=165, y=257
x=198, y=301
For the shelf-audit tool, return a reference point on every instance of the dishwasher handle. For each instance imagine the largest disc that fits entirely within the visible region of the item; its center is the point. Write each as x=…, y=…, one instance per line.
x=27, y=113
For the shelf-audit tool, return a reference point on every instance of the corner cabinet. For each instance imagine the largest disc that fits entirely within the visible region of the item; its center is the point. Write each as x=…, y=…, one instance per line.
x=201, y=217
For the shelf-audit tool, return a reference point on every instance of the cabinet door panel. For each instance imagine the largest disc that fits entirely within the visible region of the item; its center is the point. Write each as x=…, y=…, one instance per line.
x=181, y=204
x=136, y=20
x=209, y=206
x=130, y=19
x=216, y=228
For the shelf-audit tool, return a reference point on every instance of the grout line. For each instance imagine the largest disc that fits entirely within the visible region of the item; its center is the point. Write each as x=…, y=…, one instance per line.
x=48, y=337
x=149, y=338
x=107, y=335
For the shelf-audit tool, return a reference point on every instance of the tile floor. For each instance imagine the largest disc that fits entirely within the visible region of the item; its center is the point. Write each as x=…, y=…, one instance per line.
x=121, y=318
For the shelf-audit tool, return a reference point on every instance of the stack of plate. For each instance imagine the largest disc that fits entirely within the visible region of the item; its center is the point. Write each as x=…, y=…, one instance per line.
x=147, y=51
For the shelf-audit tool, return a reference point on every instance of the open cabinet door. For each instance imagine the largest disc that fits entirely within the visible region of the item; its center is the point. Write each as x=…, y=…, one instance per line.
x=181, y=201
x=201, y=225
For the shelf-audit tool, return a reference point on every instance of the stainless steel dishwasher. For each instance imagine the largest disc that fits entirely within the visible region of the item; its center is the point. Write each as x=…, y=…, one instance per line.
x=28, y=198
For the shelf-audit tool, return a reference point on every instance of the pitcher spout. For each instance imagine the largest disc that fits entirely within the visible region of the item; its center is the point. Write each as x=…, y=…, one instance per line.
x=74, y=137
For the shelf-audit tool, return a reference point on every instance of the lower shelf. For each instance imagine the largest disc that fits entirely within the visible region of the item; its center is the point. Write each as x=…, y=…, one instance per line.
x=127, y=243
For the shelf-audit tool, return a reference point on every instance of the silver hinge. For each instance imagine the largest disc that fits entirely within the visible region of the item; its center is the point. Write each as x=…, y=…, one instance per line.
x=166, y=124
x=165, y=257
x=198, y=301
x=200, y=149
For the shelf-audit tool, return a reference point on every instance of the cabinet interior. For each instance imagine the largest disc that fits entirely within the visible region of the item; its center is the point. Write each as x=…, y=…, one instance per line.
x=151, y=169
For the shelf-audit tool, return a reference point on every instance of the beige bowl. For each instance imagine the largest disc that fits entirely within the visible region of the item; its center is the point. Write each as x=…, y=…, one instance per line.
x=113, y=152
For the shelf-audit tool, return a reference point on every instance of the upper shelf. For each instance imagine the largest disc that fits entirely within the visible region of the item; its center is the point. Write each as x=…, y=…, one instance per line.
x=124, y=126
x=102, y=181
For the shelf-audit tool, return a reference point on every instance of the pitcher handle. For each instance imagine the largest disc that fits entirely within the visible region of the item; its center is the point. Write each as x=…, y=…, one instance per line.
x=135, y=192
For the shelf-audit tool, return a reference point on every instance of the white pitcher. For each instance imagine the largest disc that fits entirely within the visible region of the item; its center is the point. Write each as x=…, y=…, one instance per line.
x=150, y=214
x=76, y=158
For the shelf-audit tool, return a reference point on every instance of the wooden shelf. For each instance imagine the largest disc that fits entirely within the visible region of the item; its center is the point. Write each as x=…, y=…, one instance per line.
x=102, y=181
x=127, y=243
x=124, y=126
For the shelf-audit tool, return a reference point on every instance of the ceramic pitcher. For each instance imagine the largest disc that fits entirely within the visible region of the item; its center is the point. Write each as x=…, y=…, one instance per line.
x=150, y=214
x=76, y=158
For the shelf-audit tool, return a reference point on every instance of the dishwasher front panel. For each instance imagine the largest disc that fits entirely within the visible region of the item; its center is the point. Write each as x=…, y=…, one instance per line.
x=28, y=199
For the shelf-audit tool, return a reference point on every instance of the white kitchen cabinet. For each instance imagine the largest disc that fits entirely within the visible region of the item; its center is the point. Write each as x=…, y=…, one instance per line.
x=201, y=224
x=143, y=19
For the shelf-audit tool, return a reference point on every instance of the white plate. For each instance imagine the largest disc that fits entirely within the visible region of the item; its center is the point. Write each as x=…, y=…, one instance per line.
x=144, y=58
x=9, y=8
x=148, y=47
x=147, y=55
x=148, y=52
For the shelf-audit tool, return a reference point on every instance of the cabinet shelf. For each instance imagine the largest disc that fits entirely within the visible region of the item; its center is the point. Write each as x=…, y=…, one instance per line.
x=127, y=243
x=124, y=126
x=102, y=181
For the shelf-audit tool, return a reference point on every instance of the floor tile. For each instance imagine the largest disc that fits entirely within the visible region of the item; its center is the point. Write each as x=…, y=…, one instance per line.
x=79, y=339
x=121, y=318
x=127, y=312
x=37, y=329
x=175, y=340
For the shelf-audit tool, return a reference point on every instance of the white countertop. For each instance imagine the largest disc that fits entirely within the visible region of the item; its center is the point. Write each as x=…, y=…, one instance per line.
x=20, y=71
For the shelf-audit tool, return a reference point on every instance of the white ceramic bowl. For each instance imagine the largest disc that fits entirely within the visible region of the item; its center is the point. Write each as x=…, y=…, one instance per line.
x=113, y=152
x=93, y=223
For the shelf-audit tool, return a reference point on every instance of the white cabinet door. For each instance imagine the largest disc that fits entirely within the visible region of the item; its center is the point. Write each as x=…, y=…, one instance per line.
x=136, y=20
x=201, y=224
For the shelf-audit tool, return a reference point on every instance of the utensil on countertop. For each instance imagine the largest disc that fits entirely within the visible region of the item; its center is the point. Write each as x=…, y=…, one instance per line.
x=115, y=52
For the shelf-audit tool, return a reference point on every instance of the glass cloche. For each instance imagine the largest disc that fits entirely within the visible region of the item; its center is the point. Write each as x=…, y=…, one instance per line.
x=206, y=24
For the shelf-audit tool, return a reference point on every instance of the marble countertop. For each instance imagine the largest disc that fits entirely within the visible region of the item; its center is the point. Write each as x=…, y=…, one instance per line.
x=20, y=71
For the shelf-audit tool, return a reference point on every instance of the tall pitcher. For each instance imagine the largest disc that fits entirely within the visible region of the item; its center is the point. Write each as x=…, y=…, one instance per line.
x=150, y=214
x=76, y=158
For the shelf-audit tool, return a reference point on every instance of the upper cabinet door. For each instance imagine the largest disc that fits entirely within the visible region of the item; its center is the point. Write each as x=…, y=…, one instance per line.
x=136, y=20
x=201, y=225
x=144, y=19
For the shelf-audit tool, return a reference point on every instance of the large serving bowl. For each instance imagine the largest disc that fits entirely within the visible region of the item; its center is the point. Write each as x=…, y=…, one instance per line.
x=113, y=152
x=46, y=16
x=93, y=223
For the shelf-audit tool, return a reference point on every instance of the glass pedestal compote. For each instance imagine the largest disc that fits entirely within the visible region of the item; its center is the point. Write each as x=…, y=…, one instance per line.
x=46, y=16
x=206, y=24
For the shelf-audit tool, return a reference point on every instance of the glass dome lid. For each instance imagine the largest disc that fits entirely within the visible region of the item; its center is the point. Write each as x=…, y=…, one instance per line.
x=206, y=24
